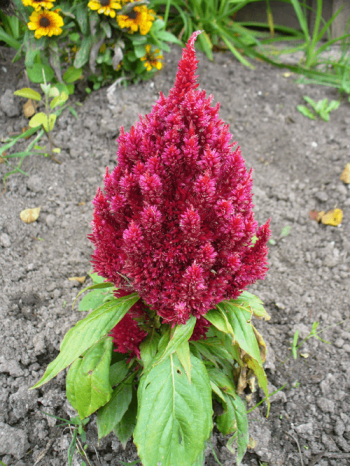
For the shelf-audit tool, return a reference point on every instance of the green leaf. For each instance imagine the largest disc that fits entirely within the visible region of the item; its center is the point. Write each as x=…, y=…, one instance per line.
x=107, y=28
x=28, y=94
x=54, y=92
x=82, y=18
x=306, y=112
x=92, y=300
x=60, y=100
x=219, y=320
x=52, y=121
x=235, y=418
x=110, y=414
x=240, y=321
x=126, y=426
x=168, y=37
x=35, y=74
x=148, y=349
x=83, y=54
x=87, y=332
x=97, y=286
x=183, y=353
x=72, y=75
x=221, y=380
x=70, y=386
x=38, y=119
x=174, y=417
x=181, y=334
x=253, y=303
x=140, y=51
x=117, y=372
x=92, y=388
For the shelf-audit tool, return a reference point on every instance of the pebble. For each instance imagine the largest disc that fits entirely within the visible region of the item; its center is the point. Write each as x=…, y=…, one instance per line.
x=12, y=367
x=326, y=405
x=13, y=441
x=346, y=348
x=321, y=196
x=23, y=401
x=50, y=220
x=5, y=240
x=305, y=430
x=35, y=184
x=339, y=342
x=9, y=105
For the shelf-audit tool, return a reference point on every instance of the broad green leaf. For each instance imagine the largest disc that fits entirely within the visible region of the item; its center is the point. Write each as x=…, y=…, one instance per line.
x=82, y=17
x=54, y=92
x=183, y=353
x=218, y=392
x=148, y=349
x=35, y=73
x=235, y=419
x=306, y=112
x=224, y=382
x=72, y=75
x=117, y=372
x=59, y=100
x=209, y=349
x=262, y=379
x=97, y=286
x=70, y=386
x=126, y=426
x=92, y=300
x=181, y=334
x=239, y=320
x=110, y=414
x=201, y=458
x=168, y=37
x=252, y=301
x=333, y=105
x=52, y=121
x=91, y=383
x=83, y=54
x=28, y=93
x=87, y=332
x=219, y=320
x=140, y=50
x=97, y=279
x=38, y=119
x=174, y=417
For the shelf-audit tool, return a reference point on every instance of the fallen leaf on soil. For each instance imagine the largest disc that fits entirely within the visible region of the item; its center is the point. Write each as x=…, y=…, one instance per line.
x=28, y=108
x=3, y=157
x=304, y=355
x=287, y=75
x=332, y=217
x=81, y=203
x=252, y=443
x=345, y=176
x=77, y=279
x=30, y=215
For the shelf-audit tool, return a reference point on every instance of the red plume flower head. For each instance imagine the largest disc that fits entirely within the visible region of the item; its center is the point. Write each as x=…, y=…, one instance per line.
x=175, y=220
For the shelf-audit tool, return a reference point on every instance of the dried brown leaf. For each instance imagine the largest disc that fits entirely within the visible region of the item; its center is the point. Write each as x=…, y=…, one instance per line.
x=77, y=279
x=30, y=215
x=28, y=108
x=345, y=176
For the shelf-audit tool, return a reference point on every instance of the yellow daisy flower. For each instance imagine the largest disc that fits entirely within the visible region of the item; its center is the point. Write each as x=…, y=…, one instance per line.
x=39, y=4
x=45, y=23
x=152, y=59
x=106, y=7
x=139, y=18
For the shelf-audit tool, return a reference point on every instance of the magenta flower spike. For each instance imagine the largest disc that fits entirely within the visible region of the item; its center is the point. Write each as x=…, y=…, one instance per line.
x=175, y=221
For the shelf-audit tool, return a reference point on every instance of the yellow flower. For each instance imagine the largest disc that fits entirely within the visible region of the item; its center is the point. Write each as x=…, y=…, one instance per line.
x=139, y=18
x=105, y=6
x=45, y=23
x=152, y=59
x=38, y=4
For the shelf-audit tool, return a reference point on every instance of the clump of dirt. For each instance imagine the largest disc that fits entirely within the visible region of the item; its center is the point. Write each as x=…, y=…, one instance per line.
x=297, y=163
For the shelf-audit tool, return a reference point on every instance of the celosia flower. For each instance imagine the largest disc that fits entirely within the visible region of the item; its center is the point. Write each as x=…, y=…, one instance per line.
x=139, y=18
x=106, y=7
x=39, y=4
x=152, y=59
x=175, y=222
x=127, y=336
x=45, y=23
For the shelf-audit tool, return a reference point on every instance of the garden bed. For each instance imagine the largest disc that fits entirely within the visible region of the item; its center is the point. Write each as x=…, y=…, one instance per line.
x=297, y=163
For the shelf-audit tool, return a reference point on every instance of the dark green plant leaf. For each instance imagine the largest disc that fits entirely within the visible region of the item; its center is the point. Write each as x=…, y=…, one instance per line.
x=140, y=51
x=180, y=335
x=97, y=286
x=174, y=417
x=240, y=321
x=117, y=372
x=306, y=112
x=87, y=332
x=72, y=75
x=148, y=348
x=253, y=302
x=110, y=414
x=224, y=382
x=83, y=54
x=183, y=353
x=35, y=74
x=82, y=17
x=92, y=300
x=126, y=426
x=219, y=320
x=235, y=419
x=92, y=388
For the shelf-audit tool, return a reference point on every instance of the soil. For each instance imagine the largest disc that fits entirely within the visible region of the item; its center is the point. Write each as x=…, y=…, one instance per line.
x=297, y=163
